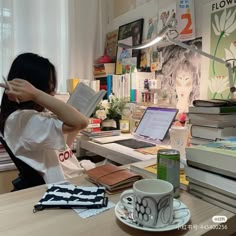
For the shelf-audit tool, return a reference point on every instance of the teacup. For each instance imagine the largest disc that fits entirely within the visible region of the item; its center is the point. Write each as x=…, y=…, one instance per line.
x=152, y=204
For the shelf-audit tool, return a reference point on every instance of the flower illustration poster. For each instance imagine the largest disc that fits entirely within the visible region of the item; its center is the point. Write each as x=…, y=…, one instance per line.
x=222, y=45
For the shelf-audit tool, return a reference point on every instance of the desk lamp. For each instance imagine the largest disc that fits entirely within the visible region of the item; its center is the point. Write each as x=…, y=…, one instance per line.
x=164, y=34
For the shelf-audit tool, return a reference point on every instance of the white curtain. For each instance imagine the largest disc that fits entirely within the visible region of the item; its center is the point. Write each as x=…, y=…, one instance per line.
x=6, y=36
x=68, y=32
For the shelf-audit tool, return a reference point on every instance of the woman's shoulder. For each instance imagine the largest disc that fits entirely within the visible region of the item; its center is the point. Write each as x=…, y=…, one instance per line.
x=28, y=115
x=23, y=113
x=18, y=120
x=33, y=121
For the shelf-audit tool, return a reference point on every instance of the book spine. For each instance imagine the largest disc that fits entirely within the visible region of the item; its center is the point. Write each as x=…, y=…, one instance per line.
x=94, y=121
x=95, y=129
x=104, y=134
x=109, y=85
x=93, y=125
x=101, y=134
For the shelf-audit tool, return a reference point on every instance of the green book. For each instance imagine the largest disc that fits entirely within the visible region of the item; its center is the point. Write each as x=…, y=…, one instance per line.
x=218, y=157
x=213, y=110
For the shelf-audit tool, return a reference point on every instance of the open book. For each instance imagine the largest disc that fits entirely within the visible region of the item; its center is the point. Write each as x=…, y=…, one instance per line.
x=85, y=99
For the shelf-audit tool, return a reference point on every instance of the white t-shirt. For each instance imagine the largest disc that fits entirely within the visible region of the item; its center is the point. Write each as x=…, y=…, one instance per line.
x=37, y=139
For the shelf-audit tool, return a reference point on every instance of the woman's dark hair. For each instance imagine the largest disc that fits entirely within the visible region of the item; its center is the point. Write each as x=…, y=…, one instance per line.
x=37, y=70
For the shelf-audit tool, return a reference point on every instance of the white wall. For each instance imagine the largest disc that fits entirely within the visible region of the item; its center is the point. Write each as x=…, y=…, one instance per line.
x=150, y=9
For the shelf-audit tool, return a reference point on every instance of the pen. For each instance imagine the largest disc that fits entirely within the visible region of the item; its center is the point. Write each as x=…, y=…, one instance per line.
x=9, y=87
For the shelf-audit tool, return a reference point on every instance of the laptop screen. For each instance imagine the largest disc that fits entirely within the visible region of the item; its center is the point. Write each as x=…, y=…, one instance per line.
x=156, y=122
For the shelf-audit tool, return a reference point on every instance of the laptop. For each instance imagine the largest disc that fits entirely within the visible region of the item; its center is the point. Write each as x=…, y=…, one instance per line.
x=152, y=128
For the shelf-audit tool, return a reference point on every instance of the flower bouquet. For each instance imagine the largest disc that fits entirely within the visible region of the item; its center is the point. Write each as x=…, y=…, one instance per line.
x=110, y=112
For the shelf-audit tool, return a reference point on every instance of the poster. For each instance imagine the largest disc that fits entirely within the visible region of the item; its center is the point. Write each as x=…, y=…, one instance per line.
x=164, y=16
x=146, y=54
x=111, y=44
x=129, y=64
x=180, y=74
x=123, y=53
x=185, y=19
x=219, y=40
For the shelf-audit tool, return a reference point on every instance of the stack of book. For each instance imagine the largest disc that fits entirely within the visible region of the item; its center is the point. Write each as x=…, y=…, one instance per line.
x=94, y=125
x=6, y=162
x=211, y=172
x=105, y=69
x=212, y=120
x=94, y=129
x=99, y=134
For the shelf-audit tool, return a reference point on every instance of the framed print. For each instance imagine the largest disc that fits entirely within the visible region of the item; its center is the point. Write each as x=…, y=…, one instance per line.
x=133, y=29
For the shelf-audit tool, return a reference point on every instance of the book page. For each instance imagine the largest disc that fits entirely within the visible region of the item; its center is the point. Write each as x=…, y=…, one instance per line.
x=85, y=99
x=94, y=102
x=81, y=97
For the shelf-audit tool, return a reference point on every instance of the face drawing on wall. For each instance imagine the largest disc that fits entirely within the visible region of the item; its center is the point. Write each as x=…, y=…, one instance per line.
x=184, y=85
x=180, y=74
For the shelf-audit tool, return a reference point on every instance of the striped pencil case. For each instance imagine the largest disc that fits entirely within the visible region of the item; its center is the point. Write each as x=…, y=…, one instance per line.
x=72, y=196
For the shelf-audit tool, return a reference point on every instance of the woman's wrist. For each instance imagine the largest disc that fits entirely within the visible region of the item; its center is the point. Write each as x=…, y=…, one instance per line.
x=37, y=96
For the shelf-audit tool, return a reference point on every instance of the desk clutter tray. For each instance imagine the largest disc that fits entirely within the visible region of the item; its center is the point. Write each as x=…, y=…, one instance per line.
x=72, y=196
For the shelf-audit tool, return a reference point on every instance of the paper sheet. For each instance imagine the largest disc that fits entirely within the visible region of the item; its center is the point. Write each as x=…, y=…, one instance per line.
x=85, y=213
x=111, y=139
x=151, y=150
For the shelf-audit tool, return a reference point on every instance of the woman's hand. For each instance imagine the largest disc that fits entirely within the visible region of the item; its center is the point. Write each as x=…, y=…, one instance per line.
x=21, y=90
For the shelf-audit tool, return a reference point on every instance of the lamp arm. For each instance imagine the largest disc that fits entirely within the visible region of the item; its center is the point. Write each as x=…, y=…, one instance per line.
x=227, y=64
x=146, y=45
x=183, y=45
x=169, y=24
x=231, y=80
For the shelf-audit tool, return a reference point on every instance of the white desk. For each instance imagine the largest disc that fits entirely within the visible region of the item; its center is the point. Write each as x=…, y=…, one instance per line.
x=111, y=151
x=17, y=217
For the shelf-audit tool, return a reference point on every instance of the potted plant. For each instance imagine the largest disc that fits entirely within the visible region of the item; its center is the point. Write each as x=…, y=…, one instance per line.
x=110, y=112
x=164, y=98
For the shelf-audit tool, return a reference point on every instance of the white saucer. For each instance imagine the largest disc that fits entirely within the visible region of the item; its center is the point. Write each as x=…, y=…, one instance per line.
x=181, y=217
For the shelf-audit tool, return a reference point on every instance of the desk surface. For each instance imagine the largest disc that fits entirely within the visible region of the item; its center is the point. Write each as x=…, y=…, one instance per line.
x=17, y=217
x=111, y=151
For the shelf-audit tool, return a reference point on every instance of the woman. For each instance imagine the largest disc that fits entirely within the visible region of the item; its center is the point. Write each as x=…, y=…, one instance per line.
x=34, y=135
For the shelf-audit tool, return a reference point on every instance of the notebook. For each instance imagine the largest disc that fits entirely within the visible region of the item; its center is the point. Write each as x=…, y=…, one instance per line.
x=152, y=128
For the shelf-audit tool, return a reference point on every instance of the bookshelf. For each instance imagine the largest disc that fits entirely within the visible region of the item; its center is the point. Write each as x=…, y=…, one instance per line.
x=103, y=69
x=102, y=73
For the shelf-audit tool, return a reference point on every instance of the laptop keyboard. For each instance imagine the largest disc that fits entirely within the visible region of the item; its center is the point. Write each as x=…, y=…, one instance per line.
x=134, y=143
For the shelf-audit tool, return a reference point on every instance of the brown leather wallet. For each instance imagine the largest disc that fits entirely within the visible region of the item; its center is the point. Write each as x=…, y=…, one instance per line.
x=113, y=178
